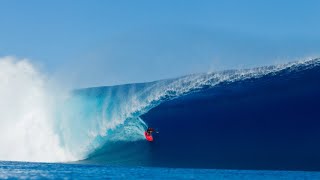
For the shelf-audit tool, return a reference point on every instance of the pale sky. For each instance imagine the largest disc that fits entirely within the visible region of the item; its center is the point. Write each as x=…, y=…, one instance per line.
x=95, y=43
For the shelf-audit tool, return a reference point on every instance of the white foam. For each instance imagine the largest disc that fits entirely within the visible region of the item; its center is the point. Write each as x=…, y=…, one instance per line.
x=26, y=116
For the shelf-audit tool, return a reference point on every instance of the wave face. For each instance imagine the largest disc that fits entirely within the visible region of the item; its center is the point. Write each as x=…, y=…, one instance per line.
x=262, y=118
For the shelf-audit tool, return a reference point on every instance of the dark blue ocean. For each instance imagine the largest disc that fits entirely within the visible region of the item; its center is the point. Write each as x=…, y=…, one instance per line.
x=27, y=170
x=260, y=123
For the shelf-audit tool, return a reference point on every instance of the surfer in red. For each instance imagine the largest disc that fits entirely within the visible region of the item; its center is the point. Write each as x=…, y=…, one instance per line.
x=148, y=134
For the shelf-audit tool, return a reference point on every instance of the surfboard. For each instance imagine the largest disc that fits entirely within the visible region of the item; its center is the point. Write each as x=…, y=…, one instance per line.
x=148, y=137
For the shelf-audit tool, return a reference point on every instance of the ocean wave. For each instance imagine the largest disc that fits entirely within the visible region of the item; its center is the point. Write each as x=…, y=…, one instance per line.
x=39, y=124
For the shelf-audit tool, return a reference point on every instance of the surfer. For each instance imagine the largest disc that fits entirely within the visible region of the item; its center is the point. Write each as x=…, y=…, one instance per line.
x=149, y=131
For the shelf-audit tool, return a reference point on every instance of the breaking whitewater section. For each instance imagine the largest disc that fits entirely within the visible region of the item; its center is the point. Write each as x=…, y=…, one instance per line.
x=260, y=118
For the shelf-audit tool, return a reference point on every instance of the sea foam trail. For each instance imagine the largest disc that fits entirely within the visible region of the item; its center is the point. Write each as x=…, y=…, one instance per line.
x=26, y=115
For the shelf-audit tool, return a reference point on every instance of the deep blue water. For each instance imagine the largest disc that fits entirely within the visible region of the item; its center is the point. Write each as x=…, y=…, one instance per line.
x=27, y=170
x=272, y=122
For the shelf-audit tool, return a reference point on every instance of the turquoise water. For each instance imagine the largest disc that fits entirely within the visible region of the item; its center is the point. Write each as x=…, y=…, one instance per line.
x=28, y=170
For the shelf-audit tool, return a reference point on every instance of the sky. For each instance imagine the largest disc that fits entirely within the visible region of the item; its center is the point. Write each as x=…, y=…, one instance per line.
x=97, y=43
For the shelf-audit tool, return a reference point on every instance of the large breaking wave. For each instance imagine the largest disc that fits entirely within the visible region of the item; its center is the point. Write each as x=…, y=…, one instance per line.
x=105, y=125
